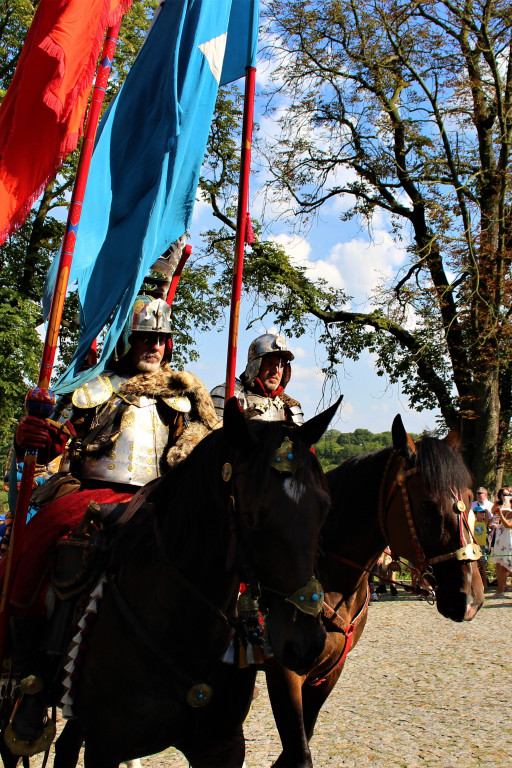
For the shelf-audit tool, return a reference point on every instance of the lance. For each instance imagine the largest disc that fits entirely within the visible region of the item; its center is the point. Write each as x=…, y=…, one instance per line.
x=242, y=227
x=40, y=401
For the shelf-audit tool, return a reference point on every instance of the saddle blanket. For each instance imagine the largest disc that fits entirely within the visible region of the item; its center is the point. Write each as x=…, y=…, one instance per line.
x=50, y=524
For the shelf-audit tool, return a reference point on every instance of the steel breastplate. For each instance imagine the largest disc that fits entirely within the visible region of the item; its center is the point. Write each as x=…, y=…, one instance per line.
x=134, y=456
x=265, y=408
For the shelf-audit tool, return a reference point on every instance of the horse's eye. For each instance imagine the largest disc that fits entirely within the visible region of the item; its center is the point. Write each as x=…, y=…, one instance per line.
x=429, y=507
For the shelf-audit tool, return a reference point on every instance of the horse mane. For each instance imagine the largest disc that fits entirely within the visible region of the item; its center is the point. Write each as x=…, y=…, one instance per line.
x=442, y=468
x=187, y=500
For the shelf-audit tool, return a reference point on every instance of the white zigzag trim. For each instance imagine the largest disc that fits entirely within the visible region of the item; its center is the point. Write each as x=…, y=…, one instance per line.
x=92, y=607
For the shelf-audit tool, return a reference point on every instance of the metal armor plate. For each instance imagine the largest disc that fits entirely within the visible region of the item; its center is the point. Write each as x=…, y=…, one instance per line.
x=93, y=393
x=134, y=457
x=267, y=408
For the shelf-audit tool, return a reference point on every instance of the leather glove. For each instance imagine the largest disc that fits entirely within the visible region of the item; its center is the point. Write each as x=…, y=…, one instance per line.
x=49, y=437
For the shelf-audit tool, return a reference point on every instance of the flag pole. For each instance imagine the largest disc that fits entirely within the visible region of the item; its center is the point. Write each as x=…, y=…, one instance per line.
x=177, y=273
x=40, y=401
x=242, y=222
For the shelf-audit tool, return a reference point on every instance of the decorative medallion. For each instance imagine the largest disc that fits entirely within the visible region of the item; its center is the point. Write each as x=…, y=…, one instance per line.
x=199, y=695
x=227, y=471
x=401, y=478
x=285, y=459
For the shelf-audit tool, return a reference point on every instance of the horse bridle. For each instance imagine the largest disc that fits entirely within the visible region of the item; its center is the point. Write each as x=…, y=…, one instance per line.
x=467, y=552
x=309, y=599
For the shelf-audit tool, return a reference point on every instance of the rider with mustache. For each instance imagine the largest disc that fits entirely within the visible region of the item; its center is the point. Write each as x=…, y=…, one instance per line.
x=260, y=388
x=117, y=432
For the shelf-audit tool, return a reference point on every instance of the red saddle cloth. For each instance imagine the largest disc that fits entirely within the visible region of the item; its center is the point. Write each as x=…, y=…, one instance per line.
x=51, y=523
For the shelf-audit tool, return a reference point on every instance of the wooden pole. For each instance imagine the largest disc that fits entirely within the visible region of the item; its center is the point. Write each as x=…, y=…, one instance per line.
x=241, y=228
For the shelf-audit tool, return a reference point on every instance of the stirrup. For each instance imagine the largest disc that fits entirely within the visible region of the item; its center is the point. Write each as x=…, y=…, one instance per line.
x=30, y=686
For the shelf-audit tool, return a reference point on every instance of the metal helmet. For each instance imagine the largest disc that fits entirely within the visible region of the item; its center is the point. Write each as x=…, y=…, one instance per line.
x=149, y=315
x=267, y=344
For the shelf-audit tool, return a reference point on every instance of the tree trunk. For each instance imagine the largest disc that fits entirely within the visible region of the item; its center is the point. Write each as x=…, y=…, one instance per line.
x=480, y=435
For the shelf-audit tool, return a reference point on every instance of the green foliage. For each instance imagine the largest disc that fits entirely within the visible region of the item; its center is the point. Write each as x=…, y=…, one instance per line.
x=20, y=355
x=335, y=446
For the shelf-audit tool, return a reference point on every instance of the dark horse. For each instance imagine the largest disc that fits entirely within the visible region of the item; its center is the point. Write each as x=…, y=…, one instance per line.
x=413, y=498
x=227, y=513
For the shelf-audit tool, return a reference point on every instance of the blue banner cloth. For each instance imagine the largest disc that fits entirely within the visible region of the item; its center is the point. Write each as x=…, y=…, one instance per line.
x=147, y=159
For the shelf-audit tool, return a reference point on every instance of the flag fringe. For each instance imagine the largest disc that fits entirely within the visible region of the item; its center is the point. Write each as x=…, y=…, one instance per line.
x=107, y=19
x=21, y=214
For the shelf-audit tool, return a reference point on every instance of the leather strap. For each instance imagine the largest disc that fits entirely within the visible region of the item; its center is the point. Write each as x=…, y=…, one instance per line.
x=347, y=629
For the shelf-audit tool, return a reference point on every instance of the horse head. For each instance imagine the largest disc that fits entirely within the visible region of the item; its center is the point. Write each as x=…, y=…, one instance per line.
x=424, y=509
x=281, y=501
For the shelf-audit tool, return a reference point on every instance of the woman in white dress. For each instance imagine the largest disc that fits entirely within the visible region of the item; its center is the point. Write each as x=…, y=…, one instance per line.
x=503, y=541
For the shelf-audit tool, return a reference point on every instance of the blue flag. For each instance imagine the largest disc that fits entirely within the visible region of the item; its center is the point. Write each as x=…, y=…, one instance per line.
x=147, y=159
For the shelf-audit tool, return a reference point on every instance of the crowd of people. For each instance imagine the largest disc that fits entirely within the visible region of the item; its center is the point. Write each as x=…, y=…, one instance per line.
x=493, y=531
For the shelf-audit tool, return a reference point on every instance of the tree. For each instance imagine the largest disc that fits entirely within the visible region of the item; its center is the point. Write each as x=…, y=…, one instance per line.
x=406, y=107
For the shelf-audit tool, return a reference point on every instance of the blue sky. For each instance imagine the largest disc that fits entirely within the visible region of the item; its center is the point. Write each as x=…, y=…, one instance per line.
x=345, y=255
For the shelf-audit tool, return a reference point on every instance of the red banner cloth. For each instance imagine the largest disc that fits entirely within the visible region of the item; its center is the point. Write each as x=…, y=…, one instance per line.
x=51, y=523
x=42, y=113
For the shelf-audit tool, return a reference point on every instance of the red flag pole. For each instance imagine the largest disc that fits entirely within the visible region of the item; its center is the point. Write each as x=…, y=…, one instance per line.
x=241, y=228
x=40, y=401
x=177, y=274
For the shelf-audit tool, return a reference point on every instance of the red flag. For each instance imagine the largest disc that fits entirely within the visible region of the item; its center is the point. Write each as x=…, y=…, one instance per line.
x=42, y=113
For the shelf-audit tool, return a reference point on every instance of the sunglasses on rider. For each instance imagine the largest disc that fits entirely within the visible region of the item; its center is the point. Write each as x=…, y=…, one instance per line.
x=151, y=338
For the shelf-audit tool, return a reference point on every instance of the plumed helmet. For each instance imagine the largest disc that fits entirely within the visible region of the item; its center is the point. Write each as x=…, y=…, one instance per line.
x=268, y=343
x=149, y=314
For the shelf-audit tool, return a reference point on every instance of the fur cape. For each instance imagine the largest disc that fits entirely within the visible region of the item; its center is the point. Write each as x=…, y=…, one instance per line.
x=166, y=383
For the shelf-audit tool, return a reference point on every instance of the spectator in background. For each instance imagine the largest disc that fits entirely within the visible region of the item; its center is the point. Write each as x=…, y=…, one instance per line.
x=503, y=539
x=482, y=500
x=481, y=539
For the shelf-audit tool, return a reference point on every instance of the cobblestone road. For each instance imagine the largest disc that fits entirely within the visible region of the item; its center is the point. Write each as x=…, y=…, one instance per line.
x=418, y=691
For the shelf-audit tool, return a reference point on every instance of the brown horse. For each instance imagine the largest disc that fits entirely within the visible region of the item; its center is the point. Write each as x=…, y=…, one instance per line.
x=228, y=513
x=410, y=497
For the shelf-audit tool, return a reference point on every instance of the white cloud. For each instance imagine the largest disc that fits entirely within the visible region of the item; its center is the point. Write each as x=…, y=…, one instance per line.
x=301, y=374
x=299, y=352
x=381, y=407
x=364, y=265
x=298, y=249
x=201, y=206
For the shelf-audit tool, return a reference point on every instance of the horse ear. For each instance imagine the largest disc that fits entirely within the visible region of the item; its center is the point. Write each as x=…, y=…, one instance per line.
x=402, y=441
x=236, y=426
x=454, y=435
x=311, y=432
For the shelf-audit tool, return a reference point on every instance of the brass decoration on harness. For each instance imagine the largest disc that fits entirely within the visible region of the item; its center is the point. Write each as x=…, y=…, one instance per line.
x=309, y=599
x=285, y=459
x=199, y=695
